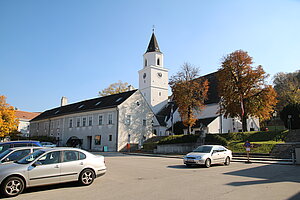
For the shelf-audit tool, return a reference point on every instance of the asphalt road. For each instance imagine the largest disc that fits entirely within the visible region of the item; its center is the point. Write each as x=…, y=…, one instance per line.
x=148, y=178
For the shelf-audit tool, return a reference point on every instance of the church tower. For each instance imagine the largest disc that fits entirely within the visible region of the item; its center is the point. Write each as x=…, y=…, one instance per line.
x=153, y=78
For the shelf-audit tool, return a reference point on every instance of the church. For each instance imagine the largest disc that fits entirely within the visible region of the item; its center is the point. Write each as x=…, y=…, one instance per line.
x=112, y=122
x=153, y=84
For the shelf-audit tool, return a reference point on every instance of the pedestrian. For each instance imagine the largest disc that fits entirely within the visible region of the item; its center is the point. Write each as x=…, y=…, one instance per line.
x=247, y=145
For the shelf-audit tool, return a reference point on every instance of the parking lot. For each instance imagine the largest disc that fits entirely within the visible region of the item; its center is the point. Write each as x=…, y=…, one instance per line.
x=141, y=177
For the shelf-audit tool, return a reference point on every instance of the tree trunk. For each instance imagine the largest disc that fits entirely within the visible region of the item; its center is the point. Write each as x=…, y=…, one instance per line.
x=244, y=123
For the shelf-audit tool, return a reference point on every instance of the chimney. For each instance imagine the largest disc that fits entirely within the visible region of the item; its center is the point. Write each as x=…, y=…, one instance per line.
x=130, y=87
x=64, y=101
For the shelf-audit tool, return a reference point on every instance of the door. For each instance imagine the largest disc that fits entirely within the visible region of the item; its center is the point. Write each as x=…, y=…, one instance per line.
x=71, y=166
x=46, y=170
x=216, y=155
x=89, y=142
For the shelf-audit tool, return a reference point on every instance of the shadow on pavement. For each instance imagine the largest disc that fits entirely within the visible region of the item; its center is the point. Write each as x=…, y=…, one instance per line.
x=267, y=174
x=52, y=187
x=295, y=197
x=191, y=167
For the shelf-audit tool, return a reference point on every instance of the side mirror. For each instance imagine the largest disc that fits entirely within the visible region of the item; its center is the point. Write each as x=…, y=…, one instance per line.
x=6, y=160
x=37, y=163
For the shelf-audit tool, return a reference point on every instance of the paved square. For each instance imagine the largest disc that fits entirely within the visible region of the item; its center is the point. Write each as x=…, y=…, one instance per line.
x=149, y=178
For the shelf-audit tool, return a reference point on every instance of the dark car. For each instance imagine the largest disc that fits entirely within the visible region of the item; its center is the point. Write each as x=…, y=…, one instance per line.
x=19, y=143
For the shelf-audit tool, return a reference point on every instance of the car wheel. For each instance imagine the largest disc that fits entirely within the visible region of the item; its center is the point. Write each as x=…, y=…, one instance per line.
x=227, y=161
x=12, y=186
x=207, y=163
x=86, y=177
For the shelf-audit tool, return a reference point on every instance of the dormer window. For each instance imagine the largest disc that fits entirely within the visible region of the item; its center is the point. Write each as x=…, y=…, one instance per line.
x=158, y=61
x=81, y=106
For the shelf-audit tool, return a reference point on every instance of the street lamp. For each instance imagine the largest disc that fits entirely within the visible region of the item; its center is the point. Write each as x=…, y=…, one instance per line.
x=290, y=122
x=274, y=118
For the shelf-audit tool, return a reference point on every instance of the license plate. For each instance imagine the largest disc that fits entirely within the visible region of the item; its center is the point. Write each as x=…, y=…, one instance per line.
x=190, y=160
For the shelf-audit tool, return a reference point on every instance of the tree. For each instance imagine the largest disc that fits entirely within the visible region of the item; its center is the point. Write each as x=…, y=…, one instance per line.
x=287, y=86
x=189, y=93
x=292, y=110
x=114, y=88
x=8, y=121
x=243, y=89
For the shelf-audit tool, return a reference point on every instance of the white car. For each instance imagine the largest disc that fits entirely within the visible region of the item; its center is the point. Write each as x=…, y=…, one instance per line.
x=48, y=144
x=207, y=155
x=50, y=166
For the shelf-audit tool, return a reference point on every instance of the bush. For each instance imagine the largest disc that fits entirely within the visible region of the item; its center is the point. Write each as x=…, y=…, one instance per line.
x=256, y=136
x=175, y=139
x=215, y=139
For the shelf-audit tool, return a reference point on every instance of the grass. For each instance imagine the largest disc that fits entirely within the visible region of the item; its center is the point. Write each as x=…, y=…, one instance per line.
x=259, y=147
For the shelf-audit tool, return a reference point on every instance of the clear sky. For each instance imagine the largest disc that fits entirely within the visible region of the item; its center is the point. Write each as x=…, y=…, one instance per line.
x=75, y=48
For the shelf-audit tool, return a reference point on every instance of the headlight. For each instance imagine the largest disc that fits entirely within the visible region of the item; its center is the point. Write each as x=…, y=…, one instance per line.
x=198, y=157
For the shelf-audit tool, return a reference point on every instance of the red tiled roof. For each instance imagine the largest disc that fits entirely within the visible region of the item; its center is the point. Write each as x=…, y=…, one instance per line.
x=26, y=115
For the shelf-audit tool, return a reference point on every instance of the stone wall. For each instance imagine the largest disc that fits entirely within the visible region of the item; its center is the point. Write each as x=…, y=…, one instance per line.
x=176, y=148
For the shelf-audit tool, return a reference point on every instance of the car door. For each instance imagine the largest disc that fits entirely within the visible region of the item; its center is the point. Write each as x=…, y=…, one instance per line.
x=46, y=170
x=71, y=165
x=216, y=155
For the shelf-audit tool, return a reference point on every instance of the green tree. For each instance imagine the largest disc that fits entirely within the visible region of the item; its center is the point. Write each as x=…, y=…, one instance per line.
x=290, y=115
x=8, y=121
x=243, y=89
x=287, y=86
x=189, y=93
x=114, y=88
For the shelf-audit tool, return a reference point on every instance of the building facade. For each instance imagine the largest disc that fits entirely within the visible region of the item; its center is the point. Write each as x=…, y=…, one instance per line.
x=102, y=124
x=24, y=121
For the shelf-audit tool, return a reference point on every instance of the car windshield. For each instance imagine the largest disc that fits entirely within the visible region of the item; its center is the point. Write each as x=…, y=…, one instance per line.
x=203, y=149
x=4, y=153
x=30, y=157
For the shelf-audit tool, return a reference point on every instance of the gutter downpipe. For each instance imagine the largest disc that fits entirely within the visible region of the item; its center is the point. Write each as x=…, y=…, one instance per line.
x=117, y=133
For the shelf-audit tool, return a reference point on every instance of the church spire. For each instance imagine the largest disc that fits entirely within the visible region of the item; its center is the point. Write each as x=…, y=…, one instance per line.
x=153, y=45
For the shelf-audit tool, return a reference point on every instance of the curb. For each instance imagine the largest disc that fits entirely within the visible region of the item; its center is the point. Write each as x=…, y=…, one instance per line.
x=234, y=159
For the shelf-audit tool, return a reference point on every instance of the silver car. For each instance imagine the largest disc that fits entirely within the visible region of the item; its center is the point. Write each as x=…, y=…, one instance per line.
x=16, y=153
x=207, y=155
x=50, y=166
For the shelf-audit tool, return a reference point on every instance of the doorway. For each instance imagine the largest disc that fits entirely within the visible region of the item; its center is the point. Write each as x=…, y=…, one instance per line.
x=89, y=142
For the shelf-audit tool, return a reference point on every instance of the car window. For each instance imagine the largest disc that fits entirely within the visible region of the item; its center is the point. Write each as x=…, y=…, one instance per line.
x=3, y=147
x=203, y=149
x=82, y=156
x=31, y=157
x=50, y=158
x=70, y=156
x=18, y=155
x=20, y=145
x=34, y=150
x=4, y=153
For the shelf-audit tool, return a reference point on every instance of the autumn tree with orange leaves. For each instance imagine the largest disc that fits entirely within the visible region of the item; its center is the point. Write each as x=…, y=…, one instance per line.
x=189, y=93
x=243, y=89
x=8, y=120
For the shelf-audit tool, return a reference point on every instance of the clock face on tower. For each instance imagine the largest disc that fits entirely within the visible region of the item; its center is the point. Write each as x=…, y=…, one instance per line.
x=159, y=75
x=144, y=75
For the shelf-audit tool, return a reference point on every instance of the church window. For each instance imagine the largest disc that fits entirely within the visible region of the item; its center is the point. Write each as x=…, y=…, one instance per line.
x=144, y=122
x=159, y=93
x=128, y=119
x=158, y=61
x=145, y=62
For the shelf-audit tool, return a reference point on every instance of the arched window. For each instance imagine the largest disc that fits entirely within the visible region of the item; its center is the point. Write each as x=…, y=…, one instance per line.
x=145, y=62
x=158, y=61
